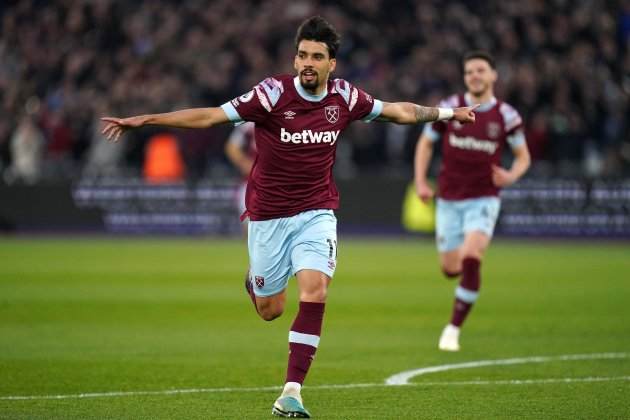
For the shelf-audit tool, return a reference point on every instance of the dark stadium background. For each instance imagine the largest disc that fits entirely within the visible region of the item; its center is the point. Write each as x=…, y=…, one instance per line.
x=63, y=64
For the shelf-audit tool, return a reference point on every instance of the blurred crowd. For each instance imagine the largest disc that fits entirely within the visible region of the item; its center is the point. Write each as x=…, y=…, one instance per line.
x=565, y=65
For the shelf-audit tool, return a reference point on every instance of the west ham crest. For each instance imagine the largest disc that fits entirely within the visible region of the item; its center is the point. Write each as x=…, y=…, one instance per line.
x=494, y=129
x=260, y=281
x=332, y=113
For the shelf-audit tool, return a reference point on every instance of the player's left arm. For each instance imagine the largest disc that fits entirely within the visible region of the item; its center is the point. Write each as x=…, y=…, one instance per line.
x=409, y=113
x=504, y=177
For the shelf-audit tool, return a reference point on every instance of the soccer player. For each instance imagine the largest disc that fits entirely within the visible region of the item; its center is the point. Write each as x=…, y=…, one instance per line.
x=240, y=149
x=291, y=194
x=469, y=181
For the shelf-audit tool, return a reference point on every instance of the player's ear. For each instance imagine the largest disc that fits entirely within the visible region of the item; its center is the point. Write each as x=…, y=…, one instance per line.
x=495, y=76
x=333, y=64
x=295, y=63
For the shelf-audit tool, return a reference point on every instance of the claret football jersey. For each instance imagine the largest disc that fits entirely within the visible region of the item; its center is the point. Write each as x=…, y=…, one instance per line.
x=296, y=138
x=470, y=150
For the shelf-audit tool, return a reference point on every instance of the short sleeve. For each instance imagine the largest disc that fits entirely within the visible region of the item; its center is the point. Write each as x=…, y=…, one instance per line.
x=256, y=104
x=516, y=138
x=361, y=105
x=246, y=107
x=366, y=107
x=512, y=120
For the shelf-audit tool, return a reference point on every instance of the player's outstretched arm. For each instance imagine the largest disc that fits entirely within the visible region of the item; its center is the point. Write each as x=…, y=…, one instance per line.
x=186, y=118
x=408, y=113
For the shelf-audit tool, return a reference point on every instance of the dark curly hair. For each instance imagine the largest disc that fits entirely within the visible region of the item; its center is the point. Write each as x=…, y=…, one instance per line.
x=316, y=28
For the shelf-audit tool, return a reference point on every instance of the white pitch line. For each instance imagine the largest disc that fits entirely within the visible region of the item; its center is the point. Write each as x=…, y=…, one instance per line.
x=404, y=377
x=387, y=383
x=338, y=386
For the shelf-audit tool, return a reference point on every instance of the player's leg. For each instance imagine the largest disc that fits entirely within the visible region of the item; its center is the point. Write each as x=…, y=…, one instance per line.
x=479, y=221
x=466, y=293
x=314, y=261
x=449, y=235
x=270, y=265
x=451, y=263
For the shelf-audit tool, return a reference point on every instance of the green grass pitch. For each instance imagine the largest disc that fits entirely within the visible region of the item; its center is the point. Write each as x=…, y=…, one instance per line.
x=142, y=317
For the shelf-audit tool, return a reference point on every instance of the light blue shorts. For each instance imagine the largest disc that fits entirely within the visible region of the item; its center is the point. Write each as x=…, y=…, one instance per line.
x=279, y=248
x=455, y=218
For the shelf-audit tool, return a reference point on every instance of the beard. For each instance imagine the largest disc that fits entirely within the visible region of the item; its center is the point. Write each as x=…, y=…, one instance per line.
x=309, y=84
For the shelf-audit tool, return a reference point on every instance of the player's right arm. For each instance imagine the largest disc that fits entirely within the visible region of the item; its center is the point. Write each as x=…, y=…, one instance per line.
x=409, y=113
x=185, y=118
x=424, y=152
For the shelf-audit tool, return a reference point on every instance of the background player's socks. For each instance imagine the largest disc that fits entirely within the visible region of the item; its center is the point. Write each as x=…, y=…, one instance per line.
x=304, y=339
x=467, y=291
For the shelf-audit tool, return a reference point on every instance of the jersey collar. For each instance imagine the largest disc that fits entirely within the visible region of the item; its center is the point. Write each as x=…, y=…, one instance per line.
x=305, y=95
x=486, y=106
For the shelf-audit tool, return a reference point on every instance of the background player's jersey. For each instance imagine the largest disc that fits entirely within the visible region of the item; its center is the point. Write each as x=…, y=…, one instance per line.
x=243, y=137
x=470, y=150
x=296, y=139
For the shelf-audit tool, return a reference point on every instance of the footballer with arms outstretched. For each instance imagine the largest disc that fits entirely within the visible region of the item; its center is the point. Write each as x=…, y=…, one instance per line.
x=291, y=194
x=469, y=181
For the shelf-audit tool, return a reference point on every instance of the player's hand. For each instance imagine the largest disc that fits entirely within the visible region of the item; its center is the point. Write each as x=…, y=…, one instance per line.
x=115, y=127
x=465, y=114
x=424, y=191
x=501, y=177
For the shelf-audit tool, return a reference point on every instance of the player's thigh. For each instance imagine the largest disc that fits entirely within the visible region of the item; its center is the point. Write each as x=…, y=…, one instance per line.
x=269, y=245
x=449, y=227
x=314, y=246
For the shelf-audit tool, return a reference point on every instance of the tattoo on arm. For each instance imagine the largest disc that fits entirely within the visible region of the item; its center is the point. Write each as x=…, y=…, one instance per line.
x=426, y=114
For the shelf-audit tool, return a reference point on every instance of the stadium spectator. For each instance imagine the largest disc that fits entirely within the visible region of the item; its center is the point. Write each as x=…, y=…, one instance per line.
x=27, y=147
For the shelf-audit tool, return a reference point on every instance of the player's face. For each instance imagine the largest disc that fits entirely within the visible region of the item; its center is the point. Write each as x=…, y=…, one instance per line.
x=313, y=64
x=479, y=77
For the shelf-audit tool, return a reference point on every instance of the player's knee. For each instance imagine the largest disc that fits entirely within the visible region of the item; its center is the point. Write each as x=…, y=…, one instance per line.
x=314, y=295
x=270, y=309
x=451, y=273
x=269, y=313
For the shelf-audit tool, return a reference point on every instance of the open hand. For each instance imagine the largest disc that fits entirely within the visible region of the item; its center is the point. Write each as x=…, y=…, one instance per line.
x=115, y=127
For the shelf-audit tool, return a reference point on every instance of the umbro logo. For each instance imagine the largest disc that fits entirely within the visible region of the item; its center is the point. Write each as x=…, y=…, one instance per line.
x=289, y=115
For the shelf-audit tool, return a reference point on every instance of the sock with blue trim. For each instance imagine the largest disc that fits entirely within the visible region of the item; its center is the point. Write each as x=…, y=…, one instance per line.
x=467, y=291
x=304, y=339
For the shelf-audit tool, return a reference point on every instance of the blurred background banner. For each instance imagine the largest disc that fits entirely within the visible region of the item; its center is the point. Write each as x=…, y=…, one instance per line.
x=565, y=66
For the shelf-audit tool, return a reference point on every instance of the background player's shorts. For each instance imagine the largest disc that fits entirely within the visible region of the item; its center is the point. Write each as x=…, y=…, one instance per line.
x=455, y=218
x=279, y=248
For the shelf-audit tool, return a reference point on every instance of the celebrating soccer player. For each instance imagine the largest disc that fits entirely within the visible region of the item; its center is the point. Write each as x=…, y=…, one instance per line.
x=291, y=194
x=469, y=182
